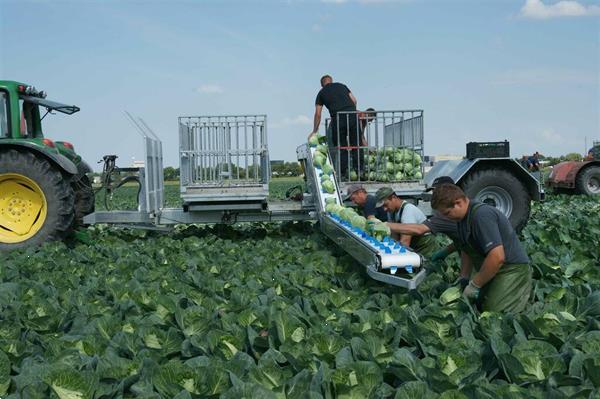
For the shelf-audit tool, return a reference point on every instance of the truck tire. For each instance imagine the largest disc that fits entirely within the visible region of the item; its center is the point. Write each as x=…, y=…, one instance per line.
x=36, y=200
x=588, y=181
x=85, y=200
x=501, y=189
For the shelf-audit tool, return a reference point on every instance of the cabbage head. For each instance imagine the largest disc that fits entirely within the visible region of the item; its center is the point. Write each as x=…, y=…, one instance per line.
x=328, y=186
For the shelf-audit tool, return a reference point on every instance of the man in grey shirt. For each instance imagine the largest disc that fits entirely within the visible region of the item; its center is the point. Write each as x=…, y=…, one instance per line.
x=436, y=224
x=491, y=255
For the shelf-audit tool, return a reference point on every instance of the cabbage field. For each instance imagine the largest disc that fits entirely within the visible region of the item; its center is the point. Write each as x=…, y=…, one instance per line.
x=278, y=311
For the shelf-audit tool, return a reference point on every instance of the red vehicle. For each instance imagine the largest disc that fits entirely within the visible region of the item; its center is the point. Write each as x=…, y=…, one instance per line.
x=582, y=177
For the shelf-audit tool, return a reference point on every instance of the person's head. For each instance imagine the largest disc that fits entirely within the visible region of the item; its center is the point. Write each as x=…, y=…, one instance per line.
x=325, y=80
x=370, y=114
x=387, y=198
x=357, y=194
x=450, y=201
x=438, y=181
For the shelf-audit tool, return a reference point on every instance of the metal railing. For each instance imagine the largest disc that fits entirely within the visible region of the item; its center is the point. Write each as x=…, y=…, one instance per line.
x=152, y=193
x=362, y=143
x=223, y=151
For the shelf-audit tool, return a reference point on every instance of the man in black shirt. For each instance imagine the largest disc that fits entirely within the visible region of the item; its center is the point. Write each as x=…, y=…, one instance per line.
x=366, y=202
x=344, y=133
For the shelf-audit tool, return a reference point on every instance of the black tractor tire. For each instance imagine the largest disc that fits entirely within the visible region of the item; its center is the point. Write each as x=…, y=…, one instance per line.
x=55, y=187
x=503, y=190
x=85, y=200
x=588, y=181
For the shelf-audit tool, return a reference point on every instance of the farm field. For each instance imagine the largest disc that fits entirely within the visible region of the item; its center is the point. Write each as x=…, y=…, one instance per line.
x=124, y=197
x=278, y=311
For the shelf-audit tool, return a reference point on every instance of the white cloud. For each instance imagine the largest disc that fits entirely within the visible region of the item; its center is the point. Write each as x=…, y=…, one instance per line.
x=536, y=9
x=210, y=89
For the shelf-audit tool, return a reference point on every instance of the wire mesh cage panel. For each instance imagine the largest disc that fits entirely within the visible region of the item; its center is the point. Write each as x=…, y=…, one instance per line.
x=377, y=146
x=224, y=157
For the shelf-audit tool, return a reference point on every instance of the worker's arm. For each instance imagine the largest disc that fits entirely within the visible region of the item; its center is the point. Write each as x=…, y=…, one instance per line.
x=412, y=229
x=491, y=264
x=317, y=119
x=352, y=97
x=405, y=239
x=466, y=265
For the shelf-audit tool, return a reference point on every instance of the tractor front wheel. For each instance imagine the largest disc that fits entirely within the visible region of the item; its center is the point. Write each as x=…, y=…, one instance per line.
x=84, y=198
x=588, y=181
x=36, y=200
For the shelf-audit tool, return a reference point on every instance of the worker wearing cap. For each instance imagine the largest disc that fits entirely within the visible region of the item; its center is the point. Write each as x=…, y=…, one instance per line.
x=366, y=202
x=491, y=255
x=436, y=224
x=400, y=211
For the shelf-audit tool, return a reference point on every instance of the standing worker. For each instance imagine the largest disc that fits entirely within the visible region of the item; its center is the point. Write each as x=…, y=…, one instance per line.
x=492, y=258
x=400, y=211
x=366, y=202
x=344, y=131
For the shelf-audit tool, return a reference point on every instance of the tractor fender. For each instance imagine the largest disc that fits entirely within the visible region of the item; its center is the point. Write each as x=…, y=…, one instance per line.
x=563, y=174
x=459, y=169
x=64, y=163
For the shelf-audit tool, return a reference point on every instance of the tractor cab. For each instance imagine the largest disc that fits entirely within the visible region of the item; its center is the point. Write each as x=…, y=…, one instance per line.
x=20, y=110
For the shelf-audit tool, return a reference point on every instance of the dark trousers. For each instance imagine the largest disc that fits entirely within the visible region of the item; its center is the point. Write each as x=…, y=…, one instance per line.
x=344, y=133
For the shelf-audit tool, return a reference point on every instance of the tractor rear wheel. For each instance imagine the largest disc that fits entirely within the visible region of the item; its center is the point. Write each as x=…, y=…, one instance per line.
x=501, y=189
x=36, y=200
x=588, y=181
x=84, y=198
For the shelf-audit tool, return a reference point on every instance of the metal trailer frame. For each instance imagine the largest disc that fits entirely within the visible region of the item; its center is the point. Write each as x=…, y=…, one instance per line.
x=226, y=207
x=224, y=159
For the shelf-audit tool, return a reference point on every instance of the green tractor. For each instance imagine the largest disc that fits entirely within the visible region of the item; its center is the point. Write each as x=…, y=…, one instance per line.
x=44, y=186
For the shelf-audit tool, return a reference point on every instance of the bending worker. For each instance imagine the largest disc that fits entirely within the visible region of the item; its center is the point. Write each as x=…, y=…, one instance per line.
x=436, y=224
x=400, y=211
x=365, y=202
x=492, y=258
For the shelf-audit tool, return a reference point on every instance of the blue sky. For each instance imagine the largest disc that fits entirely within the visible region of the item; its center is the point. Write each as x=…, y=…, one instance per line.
x=523, y=70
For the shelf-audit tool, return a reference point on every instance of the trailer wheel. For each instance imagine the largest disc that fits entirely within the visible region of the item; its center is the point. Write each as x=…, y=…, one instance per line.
x=499, y=188
x=85, y=202
x=36, y=200
x=588, y=181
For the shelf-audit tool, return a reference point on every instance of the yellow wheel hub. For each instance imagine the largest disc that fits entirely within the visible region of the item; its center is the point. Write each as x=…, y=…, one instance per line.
x=23, y=208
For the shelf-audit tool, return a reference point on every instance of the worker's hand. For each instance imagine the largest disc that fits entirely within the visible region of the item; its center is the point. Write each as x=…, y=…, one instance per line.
x=462, y=282
x=311, y=134
x=471, y=291
x=371, y=223
x=440, y=255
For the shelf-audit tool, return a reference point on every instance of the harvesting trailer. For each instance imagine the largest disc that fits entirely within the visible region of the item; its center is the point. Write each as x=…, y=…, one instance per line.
x=44, y=187
x=580, y=177
x=225, y=171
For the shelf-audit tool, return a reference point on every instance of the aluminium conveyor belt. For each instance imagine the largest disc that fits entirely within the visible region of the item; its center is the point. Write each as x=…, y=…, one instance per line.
x=386, y=260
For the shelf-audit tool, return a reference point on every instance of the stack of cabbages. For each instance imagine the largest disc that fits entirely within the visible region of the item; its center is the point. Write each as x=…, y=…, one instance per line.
x=390, y=164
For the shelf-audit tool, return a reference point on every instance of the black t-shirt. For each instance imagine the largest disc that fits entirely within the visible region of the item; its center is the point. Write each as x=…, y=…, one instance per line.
x=336, y=97
x=440, y=224
x=370, y=209
x=488, y=229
